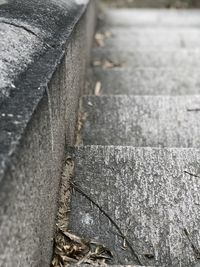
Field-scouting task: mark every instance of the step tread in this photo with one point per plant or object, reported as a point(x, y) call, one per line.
point(161, 38)
point(141, 58)
point(148, 192)
point(158, 121)
point(145, 81)
point(152, 17)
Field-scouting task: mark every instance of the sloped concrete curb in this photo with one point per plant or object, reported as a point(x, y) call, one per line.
point(44, 50)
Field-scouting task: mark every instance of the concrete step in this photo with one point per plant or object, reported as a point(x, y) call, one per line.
point(152, 3)
point(145, 81)
point(151, 58)
point(131, 38)
point(157, 121)
point(152, 17)
point(152, 195)
point(113, 265)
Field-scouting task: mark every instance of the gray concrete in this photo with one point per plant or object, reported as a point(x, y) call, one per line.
point(148, 193)
point(153, 38)
point(27, 30)
point(48, 43)
point(154, 17)
point(145, 81)
point(139, 156)
point(17, 49)
point(157, 121)
point(151, 58)
point(152, 3)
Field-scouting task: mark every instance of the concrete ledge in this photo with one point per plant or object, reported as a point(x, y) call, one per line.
point(44, 46)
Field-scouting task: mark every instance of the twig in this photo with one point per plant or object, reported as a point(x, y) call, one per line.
point(110, 219)
point(193, 109)
point(191, 174)
point(196, 251)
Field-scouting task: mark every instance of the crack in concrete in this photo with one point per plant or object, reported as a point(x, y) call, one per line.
point(27, 30)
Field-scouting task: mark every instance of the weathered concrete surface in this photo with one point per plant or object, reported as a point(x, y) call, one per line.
point(17, 49)
point(145, 81)
point(38, 110)
point(153, 17)
point(28, 29)
point(150, 196)
point(152, 3)
point(151, 58)
point(157, 121)
point(161, 38)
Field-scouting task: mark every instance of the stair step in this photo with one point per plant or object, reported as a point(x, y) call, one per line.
point(113, 265)
point(148, 58)
point(151, 194)
point(152, 17)
point(163, 38)
point(157, 121)
point(146, 81)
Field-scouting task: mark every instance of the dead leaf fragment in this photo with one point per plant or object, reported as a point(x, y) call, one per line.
point(100, 38)
point(70, 248)
point(97, 89)
point(109, 64)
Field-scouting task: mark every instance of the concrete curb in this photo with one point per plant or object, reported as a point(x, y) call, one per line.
point(42, 65)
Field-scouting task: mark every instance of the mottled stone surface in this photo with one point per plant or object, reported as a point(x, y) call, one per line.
point(28, 29)
point(145, 81)
point(17, 48)
point(161, 38)
point(152, 17)
point(151, 3)
point(148, 193)
point(149, 57)
point(44, 47)
point(142, 121)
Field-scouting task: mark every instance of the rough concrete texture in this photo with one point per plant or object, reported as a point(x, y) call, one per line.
point(145, 81)
point(150, 195)
point(154, 17)
point(152, 37)
point(27, 30)
point(157, 121)
point(37, 119)
point(113, 265)
point(17, 49)
point(152, 3)
point(149, 58)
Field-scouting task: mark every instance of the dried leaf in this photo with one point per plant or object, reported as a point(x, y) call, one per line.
point(73, 237)
point(100, 38)
point(109, 64)
point(97, 88)
point(96, 63)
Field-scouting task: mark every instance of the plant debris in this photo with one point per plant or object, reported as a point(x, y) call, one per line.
point(106, 64)
point(127, 242)
point(192, 174)
point(70, 248)
point(100, 38)
point(195, 250)
point(81, 120)
point(63, 203)
point(97, 89)
point(193, 109)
